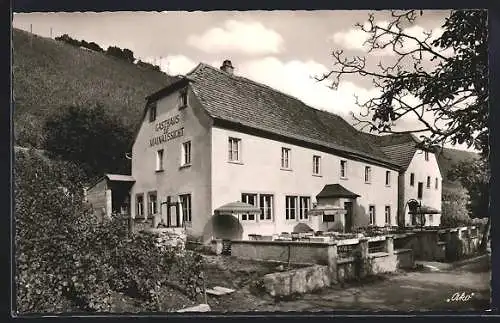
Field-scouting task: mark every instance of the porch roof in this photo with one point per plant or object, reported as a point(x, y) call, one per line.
point(119, 178)
point(336, 190)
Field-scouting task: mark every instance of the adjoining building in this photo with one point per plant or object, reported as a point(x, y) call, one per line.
point(213, 138)
point(419, 179)
point(109, 195)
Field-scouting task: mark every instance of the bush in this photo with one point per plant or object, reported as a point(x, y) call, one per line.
point(66, 259)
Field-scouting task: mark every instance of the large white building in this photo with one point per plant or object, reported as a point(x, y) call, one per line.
point(212, 138)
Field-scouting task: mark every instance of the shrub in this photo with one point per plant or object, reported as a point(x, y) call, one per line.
point(66, 259)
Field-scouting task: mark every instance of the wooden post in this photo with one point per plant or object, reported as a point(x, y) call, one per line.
point(168, 212)
point(109, 203)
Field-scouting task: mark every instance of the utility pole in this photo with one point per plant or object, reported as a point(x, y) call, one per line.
point(31, 35)
point(50, 32)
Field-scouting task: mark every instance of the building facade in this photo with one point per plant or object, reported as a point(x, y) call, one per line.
point(419, 179)
point(214, 138)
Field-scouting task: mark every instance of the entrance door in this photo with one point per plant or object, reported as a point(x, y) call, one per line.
point(348, 216)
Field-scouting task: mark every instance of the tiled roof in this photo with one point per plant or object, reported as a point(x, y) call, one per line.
point(240, 100)
point(398, 147)
point(336, 190)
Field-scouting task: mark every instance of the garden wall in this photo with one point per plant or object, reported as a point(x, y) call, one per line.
point(299, 252)
point(441, 245)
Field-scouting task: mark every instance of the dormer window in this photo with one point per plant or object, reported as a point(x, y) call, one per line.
point(152, 111)
point(183, 99)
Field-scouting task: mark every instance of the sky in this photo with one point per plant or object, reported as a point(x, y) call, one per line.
point(282, 49)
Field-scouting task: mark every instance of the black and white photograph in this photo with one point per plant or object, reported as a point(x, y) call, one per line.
point(178, 162)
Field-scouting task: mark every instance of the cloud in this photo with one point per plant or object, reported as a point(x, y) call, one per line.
point(295, 78)
point(248, 37)
point(355, 38)
point(174, 64)
point(351, 39)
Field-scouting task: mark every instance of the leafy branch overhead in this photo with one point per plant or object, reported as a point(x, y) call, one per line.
point(440, 80)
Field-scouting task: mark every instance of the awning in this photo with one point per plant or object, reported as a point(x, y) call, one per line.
point(424, 210)
point(336, 190)
point(237, 208)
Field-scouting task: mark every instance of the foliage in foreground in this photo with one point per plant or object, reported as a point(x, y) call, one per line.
point(454, 209)
point(440, 78)
point(68, 260)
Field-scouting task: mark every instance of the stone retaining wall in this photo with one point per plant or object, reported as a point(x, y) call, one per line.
point(298, 281)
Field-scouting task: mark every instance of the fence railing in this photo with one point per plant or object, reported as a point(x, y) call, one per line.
point(377, 246)
point(346, 251)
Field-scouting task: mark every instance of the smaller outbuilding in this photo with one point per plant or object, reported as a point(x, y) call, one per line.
point(110, 194)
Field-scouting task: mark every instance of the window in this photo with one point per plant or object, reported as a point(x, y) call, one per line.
point(412, 179)
point(426, 156)
point(186, 207)
point(234, 149)
point(266, 206)
point(152, 111)
point(387, 178)
point(285, 158)
point(420, 190)
point(431, 217)
point(428, 182)
point(291, 207)
point(305, 203)
point(250, 199)
point(183, 98)
point(316, 165)
point(186, 153)
point(343, 168)
point(153, 205)
point(159, 160)
point(388, 214)
point(139, 206)
point(436, 184)
point(371, 211)
point(368, 174)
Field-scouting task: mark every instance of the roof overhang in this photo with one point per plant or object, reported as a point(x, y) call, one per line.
point(117, 178)
point(176, 85)
point(336, 191)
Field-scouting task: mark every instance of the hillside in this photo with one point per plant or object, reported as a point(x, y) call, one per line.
point(447, 159)
point(49, 75)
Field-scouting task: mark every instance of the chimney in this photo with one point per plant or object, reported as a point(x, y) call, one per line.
point(227, 67)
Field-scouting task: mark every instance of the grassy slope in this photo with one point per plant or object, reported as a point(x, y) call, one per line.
point(49, 75)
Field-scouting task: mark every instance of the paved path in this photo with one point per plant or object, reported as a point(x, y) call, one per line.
point(410, 291)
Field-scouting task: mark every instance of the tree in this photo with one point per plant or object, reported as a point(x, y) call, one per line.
point(447, 75)
point(90, 136)
point(475, 177)
point(454, 208)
